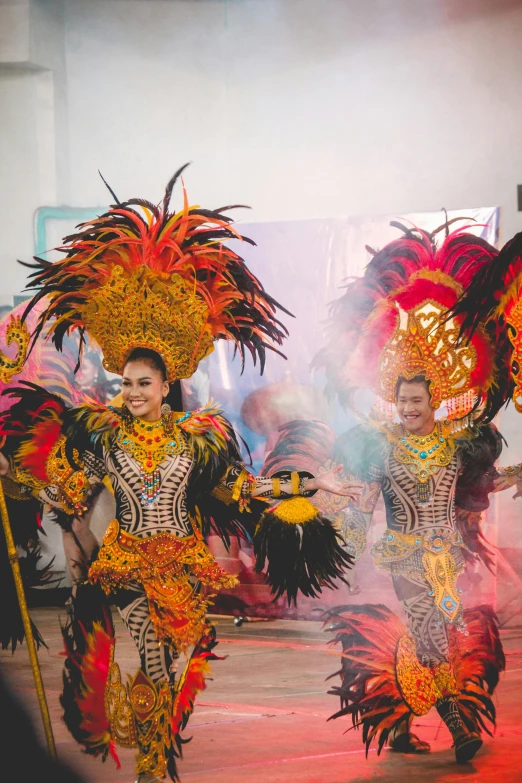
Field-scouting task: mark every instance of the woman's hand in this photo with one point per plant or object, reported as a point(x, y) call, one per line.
point(329, 482)
point(5, 469)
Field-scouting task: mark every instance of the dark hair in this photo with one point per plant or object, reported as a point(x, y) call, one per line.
point(416, 379)
point(150, 357)
point(154, 360)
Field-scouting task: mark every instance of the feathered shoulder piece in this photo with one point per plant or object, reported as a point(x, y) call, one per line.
point(31, 429)
point(210, 433)
point(393, 322)
point(89, 426)
point(45, 440)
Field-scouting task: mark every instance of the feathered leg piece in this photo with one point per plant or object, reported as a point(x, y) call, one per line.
point(89, 654)
point(383, 684)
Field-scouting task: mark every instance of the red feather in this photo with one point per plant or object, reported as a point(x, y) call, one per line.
point(33, 453)
point(192, 682)
point(405, 273)
point(87, 671)
point(369, 691)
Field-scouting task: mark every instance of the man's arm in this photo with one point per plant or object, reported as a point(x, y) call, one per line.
point(355, 519)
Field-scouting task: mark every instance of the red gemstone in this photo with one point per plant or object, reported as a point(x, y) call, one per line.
point(157, 438)
point(149, 441)
point(142, 437)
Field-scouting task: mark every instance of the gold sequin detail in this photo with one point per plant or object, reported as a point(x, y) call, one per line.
point(296, 511)
point(152, 707)
point(164, 564)
point(16, 332)
point(423, 456)
point(415, 681)
point(422, 686)
point(148, 443)
point(73, 485)
point(142, 310)
point(119, 710)
point(425, 342)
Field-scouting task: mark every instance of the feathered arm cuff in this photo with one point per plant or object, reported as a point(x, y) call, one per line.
point(239, 486)
point(302, 550)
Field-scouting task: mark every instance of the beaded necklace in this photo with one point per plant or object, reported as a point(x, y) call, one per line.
point(423, 456)
point(150, 443)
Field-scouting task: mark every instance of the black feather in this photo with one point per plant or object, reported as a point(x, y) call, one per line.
point(300, 558)
point(113, 194)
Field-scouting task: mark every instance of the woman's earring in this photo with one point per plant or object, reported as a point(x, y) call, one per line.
point(166, 417)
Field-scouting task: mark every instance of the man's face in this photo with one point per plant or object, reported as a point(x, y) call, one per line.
point(414, 409)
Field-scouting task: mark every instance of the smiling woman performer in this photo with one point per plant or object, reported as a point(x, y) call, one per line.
point(391, 334)
point(155, 289)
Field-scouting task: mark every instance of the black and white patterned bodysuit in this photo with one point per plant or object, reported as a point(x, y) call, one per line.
point(169, 513)
point(406, 516)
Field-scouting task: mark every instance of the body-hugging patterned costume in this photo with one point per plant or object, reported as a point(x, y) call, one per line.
point(393, 323)
point(140, 276)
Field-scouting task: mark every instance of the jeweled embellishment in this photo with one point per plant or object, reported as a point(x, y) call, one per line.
point(150, 443)
point(423, 456)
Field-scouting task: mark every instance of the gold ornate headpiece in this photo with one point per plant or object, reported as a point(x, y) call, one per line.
point(395, 322)
point(140, 276)
point(139, 310)
point(424, 343)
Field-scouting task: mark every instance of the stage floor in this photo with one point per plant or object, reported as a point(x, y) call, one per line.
point(264, 716)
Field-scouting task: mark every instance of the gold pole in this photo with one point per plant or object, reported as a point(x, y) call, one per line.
point(31, 646)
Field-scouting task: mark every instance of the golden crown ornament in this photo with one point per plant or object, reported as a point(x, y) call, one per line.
point(140, 310)
point(424, 343)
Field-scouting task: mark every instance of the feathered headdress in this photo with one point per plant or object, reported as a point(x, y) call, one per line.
point(141, 276)
point(393, 323)
point(494, 299)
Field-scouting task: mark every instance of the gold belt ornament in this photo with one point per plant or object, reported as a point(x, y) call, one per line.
point(438, 563)
point(165, 565)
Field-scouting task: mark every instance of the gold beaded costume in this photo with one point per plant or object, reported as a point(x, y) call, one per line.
point(393, 324)
point(140, 276)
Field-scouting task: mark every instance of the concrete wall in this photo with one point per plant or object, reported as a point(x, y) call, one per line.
point(301, 108)
point(297, 107)
point(34, 158)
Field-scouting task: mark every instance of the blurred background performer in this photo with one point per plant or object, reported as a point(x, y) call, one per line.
point(155, 289)
point(428, 448)
point(60, 545)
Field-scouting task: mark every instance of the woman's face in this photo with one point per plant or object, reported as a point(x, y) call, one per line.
point(86, 375)
point(143, 390)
